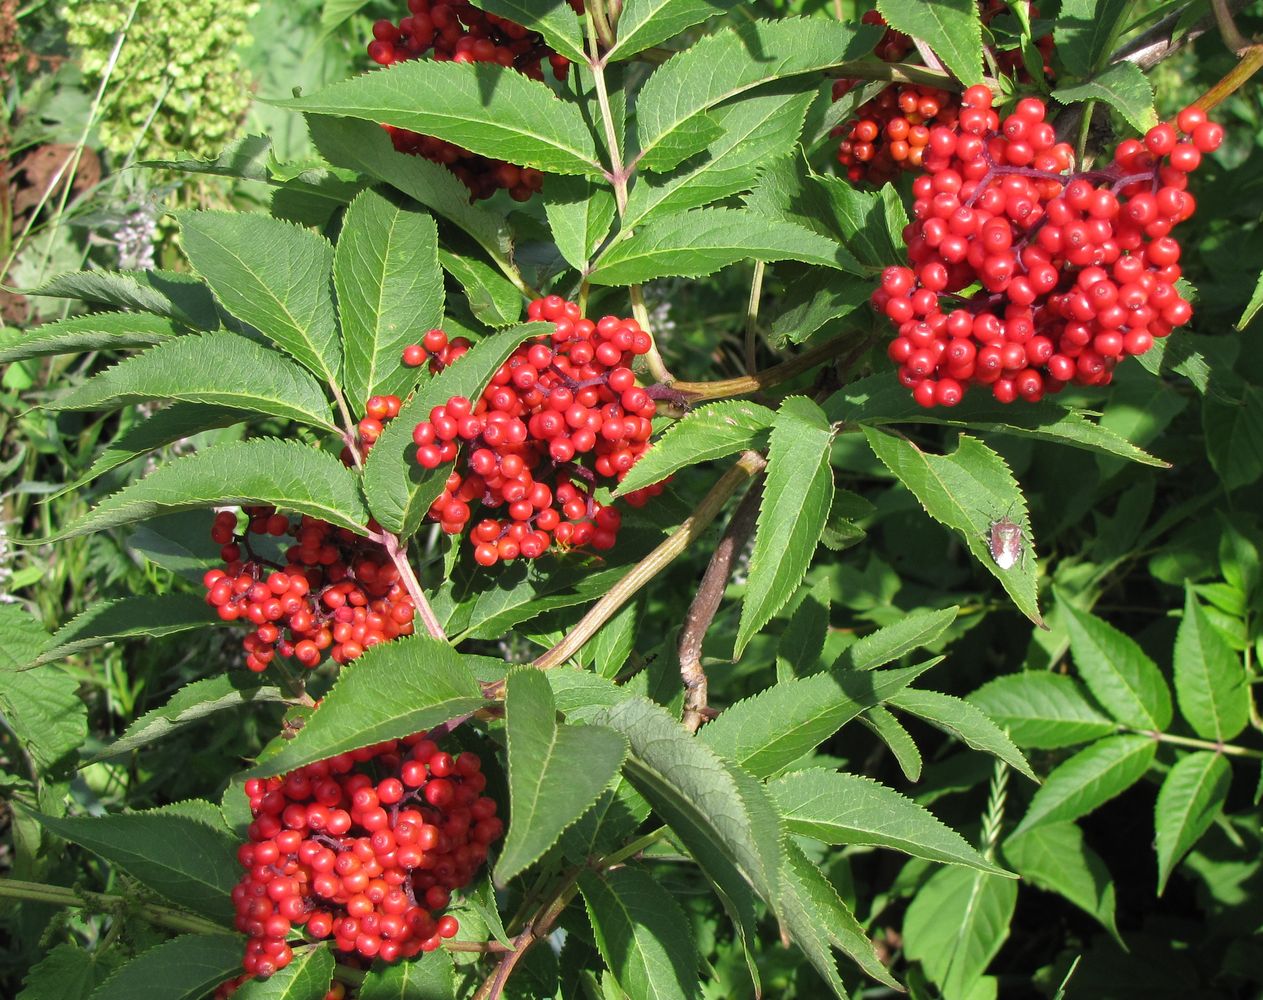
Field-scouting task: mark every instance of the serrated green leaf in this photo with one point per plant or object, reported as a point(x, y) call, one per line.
point(866, 220)
point(390, 293)
point(1124, 87)
point(1247, 315)
point(1191, 797)
point(956, 924)
point(704, 434)
point(221, 369)
point(150, 615)
point(645, 23)
point(100, 331)
point(967, 491)
point(642, 934)
point(188, 967)
point(893, 641)
point(285, 474)
point(41, 707)
point(427, 977)
point(797, 494)
point(809, 304)
point(1042, 710)
point(556, 771)
point(800, 645)
point(399, 490)
point(671, 110)
point(613, 644)
point(1089, 779)
point(307, 977)
point(772, 729)
point(65, 972)
point(1086, 30)
point(580, 212)
point(960, 719)
point(190, 704)
point(1233, 429)
point(180, 297)
point(836, 809)
point(481, 107)
point(897, 739)
point(755, 131)
point(950, 27)
point(248, 158)
point(492, 298)
point(711, 806)
point(1054, 857)
point(1209, 678)
point(1125, 682)
point(394, 690)
point(273, 275)
point(554, 19)
point(189, 862)
point(701, 242)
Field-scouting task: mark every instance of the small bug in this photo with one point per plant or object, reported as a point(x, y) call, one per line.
point(1004, 541)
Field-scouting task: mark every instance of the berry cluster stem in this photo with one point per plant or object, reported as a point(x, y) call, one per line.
point(159, 916)
point(399, 556)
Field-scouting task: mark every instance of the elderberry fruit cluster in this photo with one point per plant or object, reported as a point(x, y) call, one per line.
point(562, 414)
point(364, 849)
point(337, 592)
point(456, 30)
point(1074, 271)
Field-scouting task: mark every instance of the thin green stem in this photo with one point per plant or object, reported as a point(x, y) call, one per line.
point(1085, 128)
point(845, 346)
point(161, 916)
point(1227, 749)
point(752, 316)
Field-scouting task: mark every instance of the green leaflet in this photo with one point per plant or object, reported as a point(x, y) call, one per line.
point(185, 968)
point(1125, 682)
point(307, 977)
point(100, 331)
point(645, 23)
point(1042, 710)
point(1210, 682)
point(1191, 797)
point(950, 27)
point(1089, 779)
point(149, 615)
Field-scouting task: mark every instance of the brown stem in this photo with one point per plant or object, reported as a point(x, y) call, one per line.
point(1159, 42)
point(399, 556)
point(710, 594)
point(1232, 37)
point(744, 385)
point(1250, 63)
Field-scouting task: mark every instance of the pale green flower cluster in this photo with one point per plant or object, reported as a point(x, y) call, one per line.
point(179, 64)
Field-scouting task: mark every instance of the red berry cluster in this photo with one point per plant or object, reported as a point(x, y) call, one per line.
point(363, 848)
point(337, 591)
point(1077, 270)
point(561, 413)
point(436, 349)
point(456, 30)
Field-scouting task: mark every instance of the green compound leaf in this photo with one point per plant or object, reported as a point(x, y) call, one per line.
point(148, 616)
point(836, 808)
point(394, 690)
point(98, 332)
point(1191, 797)
point(704, 434)
point(1054, 857)
point(481, 107)
point(188, 967)
point(1209, 677)
point(671, 110)
point(556, 771)
point(966, 491)
point(273, 275)
point(645, 23)
point(284, 474)
point(701, 242)
point(179, 297)
point(390, 293)
point(580, 212)
point(642, 934)
point(969, 725)
point(307, 977)
point(1089, 779)
point(956, 924)
point(191, 704)
point(427, 977)
point(399, 490)
point(554, 19)
point(220, 369)
point(1042, 710)
point(769, 731)
point(187, 861)
point(894, 641)
point(950, 27)
point(1125, 682)
point(797, 495)
point(1124, 87)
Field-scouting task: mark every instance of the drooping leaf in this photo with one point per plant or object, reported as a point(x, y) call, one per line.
point(802, 642)
point(837, 808)
point(1124, 87)
point(99, 331)
point(427, 977)
point(893, 641)
point(580, 212)
point(307, 977)
point(642, 934)
point(247, 158)
point(1252, 307)
point(1054, 857)
point(285, 474)
point(1192, 795)
point(148, 616)
point(1089, 779)
point(645, 23)
point(960, 719)
point(1042, 710)
point(1209, 678)
point(1086, 30)
point(772, 729)
point(399, 490)
point(1116, 670)
point(897, 739)
point(221, 369)
point(556, 771)
point(180, 297)
point(492, 298)
point(967, 491)
point(704, 434)
point(797, 495)
point(190, 704)
point(41, 707)
point(184, 968)
point(390, 293)
point(554, 19)
point(482, 107)
point(394, 690)
point(1233, 430)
